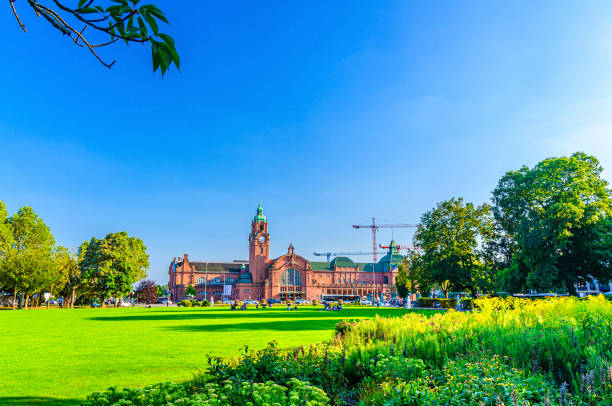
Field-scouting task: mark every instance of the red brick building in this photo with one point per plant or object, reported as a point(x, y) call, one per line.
point(289, 276)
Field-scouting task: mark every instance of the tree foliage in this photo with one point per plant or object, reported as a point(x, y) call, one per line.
point(451, 237)
point(401, 280)
point(113, 20)
point(111, 265)
point(68, 262)
point(559, 215)
point(146, 291)
point(190, 291)
point(28, 255)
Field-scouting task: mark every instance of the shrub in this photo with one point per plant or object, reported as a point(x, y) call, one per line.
point(294, 393)
point(444, 303)
point(185, 303)
point(465, 382)
point(396, 367)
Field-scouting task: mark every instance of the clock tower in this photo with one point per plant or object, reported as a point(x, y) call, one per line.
point(259, 246)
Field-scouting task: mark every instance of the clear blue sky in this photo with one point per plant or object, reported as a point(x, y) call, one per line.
point(328, 113)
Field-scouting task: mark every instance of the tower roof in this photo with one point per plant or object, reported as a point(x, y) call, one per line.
point(260, 216)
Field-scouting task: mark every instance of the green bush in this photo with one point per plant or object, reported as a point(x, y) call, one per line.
point(185, 303)
point(467, 302)
point(396, 367)
point(294, 393)
point(444, 303)
point(465, 382)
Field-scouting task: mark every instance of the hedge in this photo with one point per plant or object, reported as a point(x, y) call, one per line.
point(444, 303)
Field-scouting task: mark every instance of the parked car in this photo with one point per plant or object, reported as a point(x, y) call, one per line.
point(273, 301)
point(249, 301)
point(366, 302)
point(301, 301)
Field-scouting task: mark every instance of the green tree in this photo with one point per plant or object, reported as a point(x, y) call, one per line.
point(559, 215)
point(162, 290)
point(419, 279)
point(401, 280)
point(108, 23)
point(452, 237)
point(190, 291)
point(27, 253)
point(111, 265)
point(6, 242)
point(67, 275)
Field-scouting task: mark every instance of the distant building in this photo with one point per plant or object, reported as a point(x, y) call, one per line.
point(287, 277)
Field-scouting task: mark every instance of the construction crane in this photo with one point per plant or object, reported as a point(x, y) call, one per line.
point(335, 254)
point(375, 227)
point(399, 247)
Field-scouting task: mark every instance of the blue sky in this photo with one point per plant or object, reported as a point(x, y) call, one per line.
point(327, 113)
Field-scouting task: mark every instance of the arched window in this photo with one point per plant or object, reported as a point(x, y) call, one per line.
point(290, 277)
point(201, 281)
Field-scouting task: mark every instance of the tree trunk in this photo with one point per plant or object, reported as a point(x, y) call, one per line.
point(27, 299)
point(14, 298)
point(72, 298)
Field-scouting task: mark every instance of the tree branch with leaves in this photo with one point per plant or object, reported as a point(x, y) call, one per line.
point(108, 22)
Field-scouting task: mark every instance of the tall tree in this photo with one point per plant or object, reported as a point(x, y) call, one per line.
point(559, 215)
point(418, 276)
point(401, 281)
point(63, 272)
point(6, 242)
point(111, 265)
point(28, 255)
point(452, 236)
point(108, 22)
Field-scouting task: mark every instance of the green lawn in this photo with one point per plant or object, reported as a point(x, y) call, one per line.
point(56, 357)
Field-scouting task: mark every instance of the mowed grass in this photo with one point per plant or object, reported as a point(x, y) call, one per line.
point(57, 357)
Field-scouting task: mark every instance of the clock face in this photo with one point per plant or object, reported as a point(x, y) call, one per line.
point(262, 238)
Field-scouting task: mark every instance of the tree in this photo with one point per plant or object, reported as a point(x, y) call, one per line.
point(56, 275)
point(117, 20)
point(190, 291)
point(559, 215)
point(111, 265)
point(27, 253)
point(401, 280)
point(418, 277)
point(162, 290)
point(450, 236)
point(6, 239)
point(146, 291)
point(68, 263)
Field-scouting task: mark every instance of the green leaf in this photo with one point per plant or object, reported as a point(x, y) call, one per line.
point(143, 27)
point(167, 39)
point(152, 24)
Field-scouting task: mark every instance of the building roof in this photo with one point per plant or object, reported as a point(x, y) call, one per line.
point(260, 216)
point(215, 267)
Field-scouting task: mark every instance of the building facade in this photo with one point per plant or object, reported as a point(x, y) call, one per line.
point(289, 276)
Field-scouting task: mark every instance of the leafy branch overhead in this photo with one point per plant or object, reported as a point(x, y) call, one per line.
point(117, 20)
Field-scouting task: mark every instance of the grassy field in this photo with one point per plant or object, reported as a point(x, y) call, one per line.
point(56, 357)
